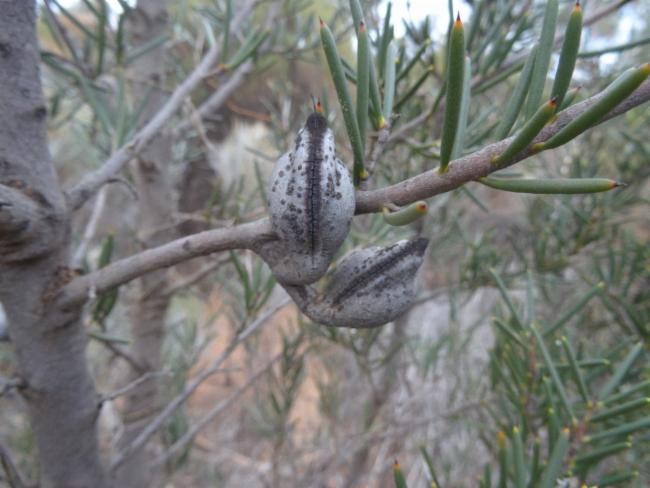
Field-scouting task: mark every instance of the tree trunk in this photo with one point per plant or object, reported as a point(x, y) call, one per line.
point(34, 248)
point(148, 308)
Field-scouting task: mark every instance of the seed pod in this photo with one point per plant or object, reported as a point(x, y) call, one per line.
point(371, 286)
point(311, 203)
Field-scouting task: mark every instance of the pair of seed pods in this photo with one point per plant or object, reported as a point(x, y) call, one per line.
point(311, 204)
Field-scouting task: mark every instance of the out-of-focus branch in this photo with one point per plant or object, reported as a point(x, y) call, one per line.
point(213, 413)
point(14, 478)
point(242, 236)
point(195, 277)
point(133, 384)
point(91, 228)
point(215, 101)
point(193, 384)
point(94, 180)
point(25, 217)
point(479, 164)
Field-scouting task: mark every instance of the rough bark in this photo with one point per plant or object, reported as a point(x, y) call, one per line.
point(148, 307)
point(34, 227)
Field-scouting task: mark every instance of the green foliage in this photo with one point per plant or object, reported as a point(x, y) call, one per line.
point(565, 392)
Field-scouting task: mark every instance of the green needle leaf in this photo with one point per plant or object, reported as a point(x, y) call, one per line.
point(614, 94)
point(405, 215)
point(527, 133)
point(566, 316)
point(518, 454)
point(543, 58)
point(459, 143)
point(338, 76)
point(554, 466)
point(517, 98)
point(568, 55)
point(622, 430)
point(400, 481)
point(363, 83)
point(575, 369)
point(623, 408)
point(554, 186)
point(389, 81)
point(455, 72)
point(601, 452)
point(555, 377)
point(620, 373)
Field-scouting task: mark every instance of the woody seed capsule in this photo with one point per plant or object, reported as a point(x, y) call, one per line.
point(311, 203)
point(372, 286)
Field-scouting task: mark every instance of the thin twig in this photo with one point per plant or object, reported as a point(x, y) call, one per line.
point(132, 385)
point(215, 101)
point(91, 228)
point(192, 385)
point(193, 278)
point(216, 410)
point(119, 352)
point(94, 180)
point(14, 478)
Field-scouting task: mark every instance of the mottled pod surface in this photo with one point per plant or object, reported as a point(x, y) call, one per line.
point(372, 286)
point(311, 203)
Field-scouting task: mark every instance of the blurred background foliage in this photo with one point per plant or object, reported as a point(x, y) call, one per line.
point(534, 311)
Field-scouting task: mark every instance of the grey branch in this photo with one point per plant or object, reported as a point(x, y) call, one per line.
point(94, 180)
point(215, 101)
point(479, 164)
point(133, 384)
point(213, 413)
point(237, 237)
point(249, 235)
point(193, 384)
point(24, 218)
point(14, 478)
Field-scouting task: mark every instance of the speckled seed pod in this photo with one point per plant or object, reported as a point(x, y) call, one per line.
point(311, 203)
point(372, 286)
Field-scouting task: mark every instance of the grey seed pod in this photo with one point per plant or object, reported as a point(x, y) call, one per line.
point(371, 286)
point(311, 203)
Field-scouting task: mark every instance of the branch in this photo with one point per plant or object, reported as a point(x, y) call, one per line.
point(479, 164)
point(25, 218)
point(190, 387)
point(242, 236)
point(214, 412)
point(14, 478)
point(195, 277)
point(215, 101)
point(133, 384)
point(92, 181)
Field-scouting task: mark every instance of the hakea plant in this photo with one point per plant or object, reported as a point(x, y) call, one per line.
point(311, 204)
point(312, 200)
